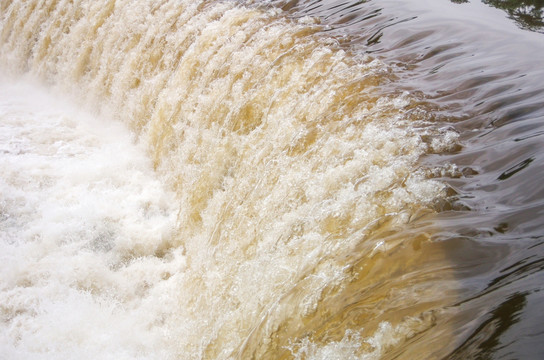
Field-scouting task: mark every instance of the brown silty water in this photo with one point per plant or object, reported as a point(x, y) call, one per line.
point(318, 186)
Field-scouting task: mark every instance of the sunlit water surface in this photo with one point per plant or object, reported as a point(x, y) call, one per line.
point(281, 179)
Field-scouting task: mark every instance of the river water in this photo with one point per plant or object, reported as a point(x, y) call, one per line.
point(271, 179)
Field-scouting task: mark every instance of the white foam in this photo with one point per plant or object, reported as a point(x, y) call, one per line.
point(282, 155)
point(355, 346)
point(81, 217)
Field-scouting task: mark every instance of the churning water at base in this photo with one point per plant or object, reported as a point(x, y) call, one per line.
point(73, 188)
point(242, 181)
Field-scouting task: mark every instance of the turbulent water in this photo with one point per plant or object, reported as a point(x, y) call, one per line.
point(282, 179)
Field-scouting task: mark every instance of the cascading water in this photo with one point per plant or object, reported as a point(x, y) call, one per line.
point(237, 184)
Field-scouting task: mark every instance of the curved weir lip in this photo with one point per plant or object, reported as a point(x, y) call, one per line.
point(293, 214)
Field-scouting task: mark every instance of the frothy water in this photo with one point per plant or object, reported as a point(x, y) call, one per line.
point(81, 211)
point(215, 180)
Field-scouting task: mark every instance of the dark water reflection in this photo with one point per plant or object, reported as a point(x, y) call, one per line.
point(481, 72)
point(528, 14)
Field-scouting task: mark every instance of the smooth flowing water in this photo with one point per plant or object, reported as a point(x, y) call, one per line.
point(279, 179)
